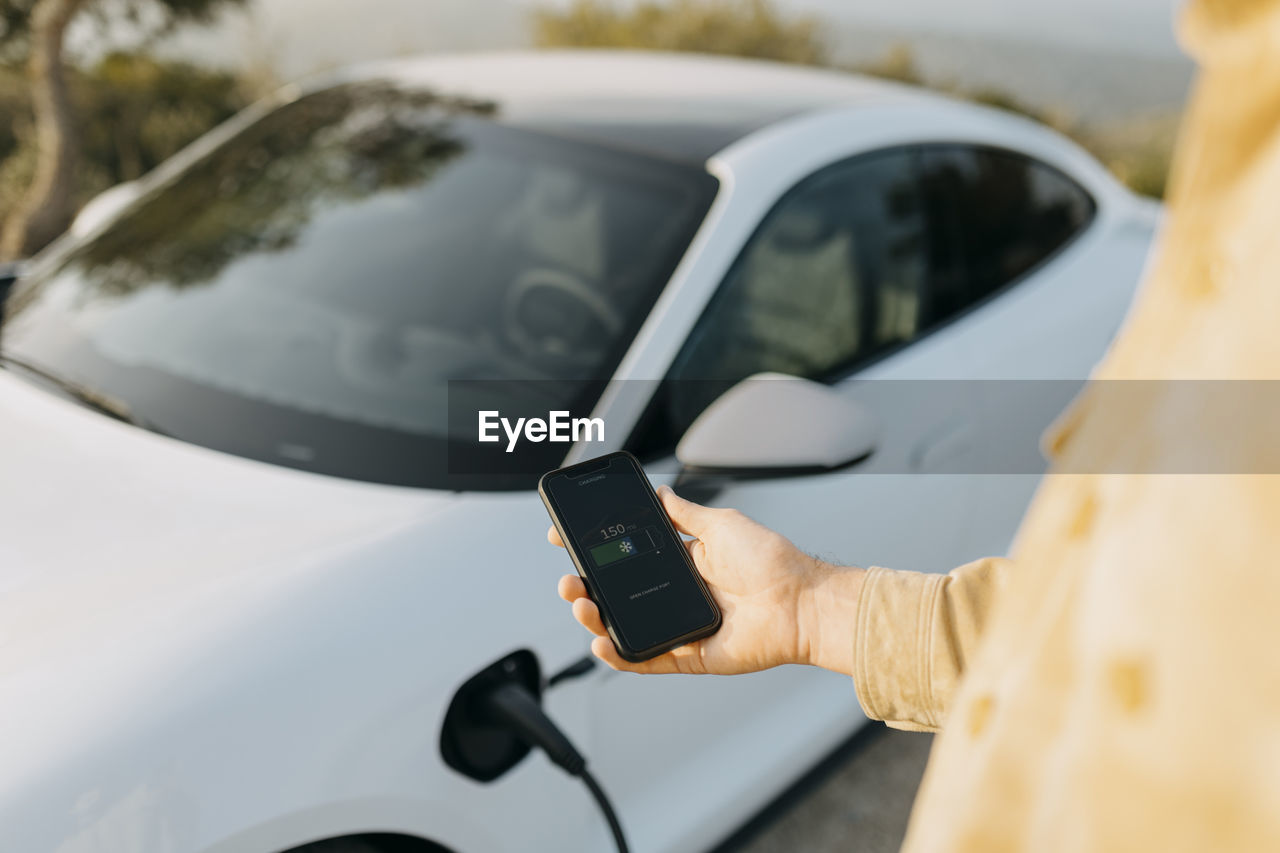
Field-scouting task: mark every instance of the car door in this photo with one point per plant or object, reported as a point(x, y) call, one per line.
point(849, 269)
point(1037, 274)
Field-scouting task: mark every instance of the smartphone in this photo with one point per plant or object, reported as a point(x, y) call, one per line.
point(634, 564)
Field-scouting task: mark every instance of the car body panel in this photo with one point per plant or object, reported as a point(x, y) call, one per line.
point(206, 653)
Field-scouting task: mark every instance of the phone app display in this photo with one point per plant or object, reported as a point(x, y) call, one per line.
point(636, 563)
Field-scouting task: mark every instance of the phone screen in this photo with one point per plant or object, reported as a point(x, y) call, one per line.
point(625, 543)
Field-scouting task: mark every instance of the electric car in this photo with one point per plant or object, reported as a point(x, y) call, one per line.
point(238, 588)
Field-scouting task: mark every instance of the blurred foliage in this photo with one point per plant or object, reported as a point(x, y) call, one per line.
point(15, 18)
point(146, 19)
point(134, 112)
point(1137, 151)
point(898, 63)
point(751, 28)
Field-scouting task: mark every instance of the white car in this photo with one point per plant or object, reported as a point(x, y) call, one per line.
point(233, 614)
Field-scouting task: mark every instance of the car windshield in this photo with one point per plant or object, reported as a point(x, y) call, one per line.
point(303, 293)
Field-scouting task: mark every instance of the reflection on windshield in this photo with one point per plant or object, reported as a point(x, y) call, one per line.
point(259, 195)
point(304, 293)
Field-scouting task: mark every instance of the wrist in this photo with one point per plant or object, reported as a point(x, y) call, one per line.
point(826, 616)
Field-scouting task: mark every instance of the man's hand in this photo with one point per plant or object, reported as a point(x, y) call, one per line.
point(779, 604)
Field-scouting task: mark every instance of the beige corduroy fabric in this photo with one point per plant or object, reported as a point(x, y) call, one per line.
point(1117, 685)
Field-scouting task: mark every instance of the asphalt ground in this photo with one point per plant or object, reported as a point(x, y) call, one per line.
point(859, 800)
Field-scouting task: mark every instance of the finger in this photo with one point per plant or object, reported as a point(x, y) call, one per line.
point(603, 648)
point(588, 616)
point(697, 550)
point(553, 536)
point(571, 588)
point(688, 517)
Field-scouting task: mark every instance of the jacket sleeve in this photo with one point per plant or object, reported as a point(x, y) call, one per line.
point(915, 635)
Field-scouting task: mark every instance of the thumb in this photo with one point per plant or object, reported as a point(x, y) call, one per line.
point(688, 517)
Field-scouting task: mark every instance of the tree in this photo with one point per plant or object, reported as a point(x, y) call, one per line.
point(133, 112)
point(752, 28)
point(35, 31)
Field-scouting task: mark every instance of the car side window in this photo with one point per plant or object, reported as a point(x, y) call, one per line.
point(860, 258)
point(832, 274)
point(993, 216)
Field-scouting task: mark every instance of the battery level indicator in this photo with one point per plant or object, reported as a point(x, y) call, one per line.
point(623, 547)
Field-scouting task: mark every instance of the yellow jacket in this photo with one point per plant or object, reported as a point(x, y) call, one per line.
point(1117, 685)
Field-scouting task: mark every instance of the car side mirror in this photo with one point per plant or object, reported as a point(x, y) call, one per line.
point(774, 425)
point(103, 206)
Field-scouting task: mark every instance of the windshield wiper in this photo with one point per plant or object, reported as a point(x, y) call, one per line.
point(104, 403)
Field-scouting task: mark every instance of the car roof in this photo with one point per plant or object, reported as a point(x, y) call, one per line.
point(677, 105)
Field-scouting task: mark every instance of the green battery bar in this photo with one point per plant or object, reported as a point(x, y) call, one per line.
point(622, 547)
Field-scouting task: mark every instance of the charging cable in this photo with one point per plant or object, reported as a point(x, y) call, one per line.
point(513, 705)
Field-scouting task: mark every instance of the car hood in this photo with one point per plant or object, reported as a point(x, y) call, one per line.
point(114, 540)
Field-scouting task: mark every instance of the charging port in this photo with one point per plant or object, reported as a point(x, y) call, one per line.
point(472, 741)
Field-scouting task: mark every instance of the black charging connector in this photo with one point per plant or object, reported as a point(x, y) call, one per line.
point(515, 706)
point(496, 717)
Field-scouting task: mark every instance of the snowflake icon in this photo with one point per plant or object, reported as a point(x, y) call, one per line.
point(625, 546)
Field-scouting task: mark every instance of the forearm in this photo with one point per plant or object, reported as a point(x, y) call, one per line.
point(825, 617)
